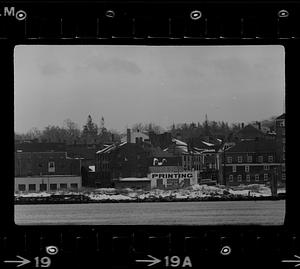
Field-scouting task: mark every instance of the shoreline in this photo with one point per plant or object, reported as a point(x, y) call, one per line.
point(82, 199)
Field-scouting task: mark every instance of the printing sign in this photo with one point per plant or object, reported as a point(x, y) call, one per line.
point(173, 179)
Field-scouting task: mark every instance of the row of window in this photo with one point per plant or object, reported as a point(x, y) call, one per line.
point(260, 159)
point(44, 187)
point(247, 168)
point(248, 178)
point(189, 158)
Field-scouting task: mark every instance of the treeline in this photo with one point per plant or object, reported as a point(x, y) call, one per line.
point(70, 133)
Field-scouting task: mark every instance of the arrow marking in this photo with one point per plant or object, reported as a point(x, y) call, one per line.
point(292, 261)
point(21, 262)
point(151, 262)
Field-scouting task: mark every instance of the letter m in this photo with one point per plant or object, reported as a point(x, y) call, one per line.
point(9, 11)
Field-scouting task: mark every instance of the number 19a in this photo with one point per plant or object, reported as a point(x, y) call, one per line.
point(175, 261)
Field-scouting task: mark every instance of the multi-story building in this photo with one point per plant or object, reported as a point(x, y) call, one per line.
point(189, 157)
point(45, 163)
point(122, 160)
point(46, 171)
point(249, 162)
point(84, 154)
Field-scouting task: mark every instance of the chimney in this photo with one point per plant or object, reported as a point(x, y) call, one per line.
point(258, 125)
point(128, 136)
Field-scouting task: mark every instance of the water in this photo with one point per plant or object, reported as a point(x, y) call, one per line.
point(166, 213)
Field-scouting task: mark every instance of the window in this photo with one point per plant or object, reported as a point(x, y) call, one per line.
point(63, 186)
point(53, 187)
point(231, 178)
point(21, 187)
point(248, 178)
point(266, 177)
point(43, 187)
point(260, 159)
point(51, 167)
point(240, 159)
point(234, 168)
point(270, 159)
point(257, 177)
point(229, 159)
point(74, 186)
point(247, 168)
point(266, 167)
point(239, 178)
point(283, 177)
point(31, 187)
point(283, 168)
point(249, 159)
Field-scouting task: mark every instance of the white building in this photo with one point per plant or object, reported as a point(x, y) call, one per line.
point(135, 137)
point(47, 183)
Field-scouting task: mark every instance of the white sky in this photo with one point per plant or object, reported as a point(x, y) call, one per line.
point(130, 84)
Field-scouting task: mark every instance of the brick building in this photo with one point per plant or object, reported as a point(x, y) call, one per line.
point(122, 160)
point(249, 162)
point(45, 167)
point(45, 163)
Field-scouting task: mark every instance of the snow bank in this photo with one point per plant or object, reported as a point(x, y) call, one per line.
point(190, 193)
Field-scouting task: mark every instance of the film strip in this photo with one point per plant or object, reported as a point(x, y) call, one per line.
point(173, 21)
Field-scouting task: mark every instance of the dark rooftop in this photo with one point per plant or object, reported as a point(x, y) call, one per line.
point(260, 145)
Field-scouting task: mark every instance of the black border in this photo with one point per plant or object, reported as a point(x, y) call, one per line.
point(292, 59)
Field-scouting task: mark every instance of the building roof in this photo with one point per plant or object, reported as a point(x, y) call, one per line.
point(40, 147)
point(180, 147)
point(281, 117)
point(80, 151)
point(260, 145)
point(158, 152)
point(249, 132)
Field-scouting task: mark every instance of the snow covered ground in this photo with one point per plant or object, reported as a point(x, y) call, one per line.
point(191, 193)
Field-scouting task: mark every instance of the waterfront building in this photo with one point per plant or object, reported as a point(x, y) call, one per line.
point(249, 162)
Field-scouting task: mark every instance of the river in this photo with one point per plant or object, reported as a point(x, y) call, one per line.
point(155, 213)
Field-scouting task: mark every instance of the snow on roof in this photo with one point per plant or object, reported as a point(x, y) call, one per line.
point(110, 148)
point(207, 144)
point(208, 150)
point(178, 142)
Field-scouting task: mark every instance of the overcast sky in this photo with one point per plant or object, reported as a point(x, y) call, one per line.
point(130, 84)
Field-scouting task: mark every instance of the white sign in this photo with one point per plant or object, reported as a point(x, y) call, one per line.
point(173, 179)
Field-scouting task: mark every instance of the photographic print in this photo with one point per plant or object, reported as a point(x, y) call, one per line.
point(149, 135)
